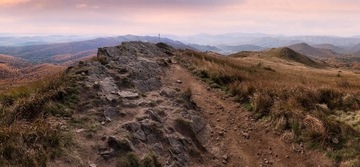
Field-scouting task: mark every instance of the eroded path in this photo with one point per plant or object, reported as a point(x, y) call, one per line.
point(235, 138)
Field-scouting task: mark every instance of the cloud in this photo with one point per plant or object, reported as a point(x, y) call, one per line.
point(183, 16)
point(9, 3)
point(82, 5)
point(85, 6)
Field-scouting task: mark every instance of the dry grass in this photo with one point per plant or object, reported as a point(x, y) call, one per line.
point(295, 97)
point(27, 136)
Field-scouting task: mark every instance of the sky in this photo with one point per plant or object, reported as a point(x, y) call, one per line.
point(180, 17)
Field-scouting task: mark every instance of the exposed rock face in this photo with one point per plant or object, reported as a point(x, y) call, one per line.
point(123, 90)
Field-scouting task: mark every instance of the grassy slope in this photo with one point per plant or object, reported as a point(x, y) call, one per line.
point(29, 134)
point(315, 105)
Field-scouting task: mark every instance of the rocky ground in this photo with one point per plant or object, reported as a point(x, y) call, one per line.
point(137, 102)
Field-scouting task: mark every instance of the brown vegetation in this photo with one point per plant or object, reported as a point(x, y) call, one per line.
point(28, 134)
point(308, 102)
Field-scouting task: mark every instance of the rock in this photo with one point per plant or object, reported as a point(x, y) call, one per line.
point(108, 119)
point(64, 127)
point(92, 165)
point(322, 107)
point(245, 135)
point(335, 140)
point(168, 92)
point(217, 120)
point(79, 130)
point(178, 81)
point(119, 145)
point(225, 157)
point(153, 115)
point(198, 124)
point(128, 94)
point(136, 130)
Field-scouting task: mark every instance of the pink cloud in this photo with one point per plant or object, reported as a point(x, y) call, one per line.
point(9, 3)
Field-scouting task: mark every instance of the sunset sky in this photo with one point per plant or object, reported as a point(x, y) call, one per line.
point(181, 17)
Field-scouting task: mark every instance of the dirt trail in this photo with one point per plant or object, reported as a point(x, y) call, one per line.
point(236, 139)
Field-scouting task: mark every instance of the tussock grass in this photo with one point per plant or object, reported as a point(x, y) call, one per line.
point(27, 135)
point(297, 99)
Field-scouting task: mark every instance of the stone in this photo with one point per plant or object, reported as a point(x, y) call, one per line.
point(119, 145)
point(246, 135)
point(335, 140)
point(136, 130)
point(178, 81)
point(92, 165)
point(153, 115)
point(168, 92)
point(64, 127)
point(225, 157)
point(108, 119)
point(79, 130)
point(128, 94)
point(198, 124)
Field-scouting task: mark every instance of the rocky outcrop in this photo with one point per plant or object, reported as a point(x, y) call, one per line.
point(122, 89)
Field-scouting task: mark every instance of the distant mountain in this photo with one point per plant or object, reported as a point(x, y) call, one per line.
point(8, 40)
point(204, 48)
point(336, 49)
point(354, 49)
point(337, 41)
point(238, 48)
point(271, 42)
point(53, 53)
point(219, 39)
point(313, 52)
point(291, 55)
point(265, 40)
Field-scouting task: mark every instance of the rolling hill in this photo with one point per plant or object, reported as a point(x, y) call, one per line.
point(313, 52)
point(336, 49)
point(13, 61)
point(354, 49)
point(290, 55)
point(238, 48)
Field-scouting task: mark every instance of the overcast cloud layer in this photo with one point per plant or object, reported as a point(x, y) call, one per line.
point(181, 17)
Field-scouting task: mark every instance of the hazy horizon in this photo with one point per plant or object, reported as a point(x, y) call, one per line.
point(180, 17)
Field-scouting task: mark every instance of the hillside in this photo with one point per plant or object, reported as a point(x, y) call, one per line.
point(354, 49)
point(15, 70)
point(312, 52)
point(13, 61)
point(278, 56)
point(238, 48)
point(291, 55)
point(10, 67)
point(332, 47)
